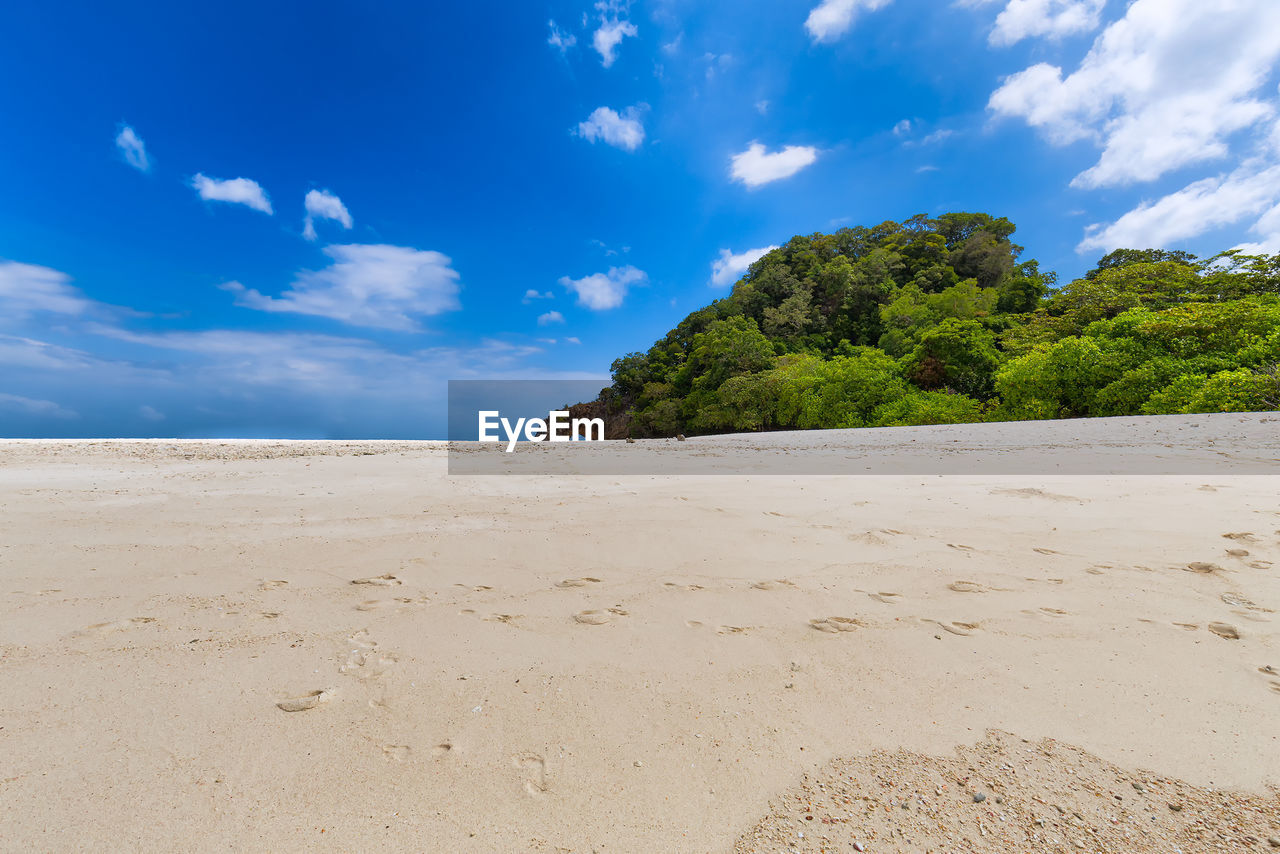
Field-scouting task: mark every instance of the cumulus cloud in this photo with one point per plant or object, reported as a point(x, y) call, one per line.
point(902, 128)
point(601, 291)
point(614, 27)
point(321, 204)
point(559, 39)
point(621, 131)
point(728, 268)
point(1022, 19)
point(28, 288)
point(831, 19)
point(381, 286)
point(240, 191)
point(757, 166)
point(1197, 208)
point(530, 295)
point(549, 318)
point(1162, 88)
point(133, 149)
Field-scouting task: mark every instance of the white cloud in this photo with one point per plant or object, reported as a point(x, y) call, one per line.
point(762, 107)
point(133, 149)
point(241, 191)
point(902, 128)
point(1022, 19)
point(1163, 87)
point(32, 406)
point(614, 27)
point(1195, 209)
point(367, 285)
point(549, 318)
point(321, 204)
point(831, 19)
point(621, 131)
point(572, 340)
point(29, 288)
point(728, 268)
point(601, 291)
point(530, 295)
point(757, 166)
point(559, 39)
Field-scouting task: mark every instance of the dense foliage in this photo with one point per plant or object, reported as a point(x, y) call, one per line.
point(937, 320)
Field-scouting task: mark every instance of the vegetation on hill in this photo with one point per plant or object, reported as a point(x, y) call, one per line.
point(939, 320)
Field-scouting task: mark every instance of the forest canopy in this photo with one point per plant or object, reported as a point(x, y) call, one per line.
point(940, 320)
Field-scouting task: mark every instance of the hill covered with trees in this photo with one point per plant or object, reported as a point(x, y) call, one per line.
point(939, 320)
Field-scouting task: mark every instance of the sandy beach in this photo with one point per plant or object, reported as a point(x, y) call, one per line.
point(336, 646)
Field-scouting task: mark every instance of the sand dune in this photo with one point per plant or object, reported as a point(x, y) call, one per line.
point(336, 646)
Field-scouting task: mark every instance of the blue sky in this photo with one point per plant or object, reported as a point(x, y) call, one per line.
point(263, 220)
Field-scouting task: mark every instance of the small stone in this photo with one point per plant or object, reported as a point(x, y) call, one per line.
point(638, 764)
point(905, 805)
point(1138, 787)
point(857, 846)
point(1273, 841)
point(1176, 807)
point(979, 797)
point(999, 800)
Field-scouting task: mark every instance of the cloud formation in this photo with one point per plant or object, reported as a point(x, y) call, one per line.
point(1022, 19)
point(757, 166)
point(1195, 209)
point(728, 268)
point(614, 27)
point(549, 318)
point(1162, 88)
point(831, 19)
point(133, 149)
point(559, 39)
point(29, 288)
point(619, 130)
point(240, 191)
point(321, 204)
point(387, 287)
point(601, 291)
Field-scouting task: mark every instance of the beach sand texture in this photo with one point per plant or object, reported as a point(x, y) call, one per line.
point(334, 646)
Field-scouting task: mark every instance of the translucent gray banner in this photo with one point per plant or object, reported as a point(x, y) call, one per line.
point(1202, 445)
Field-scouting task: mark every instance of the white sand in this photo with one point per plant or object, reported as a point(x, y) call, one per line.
point(161, 598)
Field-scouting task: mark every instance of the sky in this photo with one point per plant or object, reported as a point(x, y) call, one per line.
point(300, 220)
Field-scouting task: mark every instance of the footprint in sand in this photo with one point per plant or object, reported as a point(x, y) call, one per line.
point(535, 768)
point(592, 618)
point(1044, 551)
point(1053, 612)
point(305, 702)
point(115, 626)
point(509, 619)
point(365, 661)
point(832, 625)
point(886, 597)
point(1225, 630)
point(1032, 492)
point(442, 750)
point(272, 584)
point(966, 587)
point(375, 604)
point(961, 546)
point(776, 584)
point(397, 752)
point(577, 582)
point(955, 627)
point(1241, 536)
point(1239, 600)
point(1203, 568)
point(1237, 553)
point(1191, 627)
point(387, 580)
point(269, 615)
point(732, 630)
